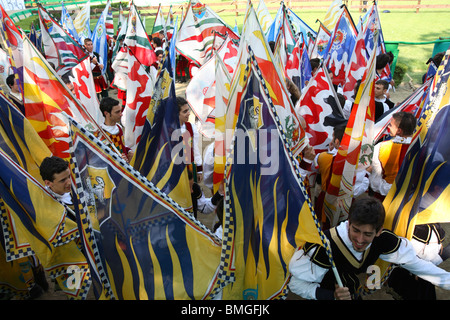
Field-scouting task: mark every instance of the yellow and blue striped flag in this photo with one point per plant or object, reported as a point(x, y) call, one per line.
point(141, 244)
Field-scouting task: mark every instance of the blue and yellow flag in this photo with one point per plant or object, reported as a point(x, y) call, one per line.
point(267, 210)
point(159, 153)
point(33, 221)
point(141, 244)
point(421, 192)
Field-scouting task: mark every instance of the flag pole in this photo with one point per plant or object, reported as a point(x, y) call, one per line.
point(323, 238)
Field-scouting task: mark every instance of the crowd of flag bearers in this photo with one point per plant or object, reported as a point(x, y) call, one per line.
point(313, 175)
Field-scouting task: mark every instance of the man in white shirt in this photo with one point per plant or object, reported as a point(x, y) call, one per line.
point(356, 244)
point(55, 172)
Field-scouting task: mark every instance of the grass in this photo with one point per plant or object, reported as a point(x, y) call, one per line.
point(399, 25)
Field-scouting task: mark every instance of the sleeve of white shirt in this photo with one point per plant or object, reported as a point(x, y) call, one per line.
point(208, 166)
point(377, 183)
point(306, 275)
point(197, 154)
point(407, 258)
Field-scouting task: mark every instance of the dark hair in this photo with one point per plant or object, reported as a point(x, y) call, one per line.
point(382, 60)
point(181, 102)
point(10, 80)
point(406, 121)
point(51, 166)
point(87, 40)
point(272, 46)
point(315, 63)
point(384, 83)
point(157, 41)
point(339, 131)
point(437, 59)
point(107, 104)
point(341, 98)
point(367, 210)
point(158, 52)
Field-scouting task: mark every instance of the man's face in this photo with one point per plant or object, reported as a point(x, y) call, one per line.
point(393, 127)
point(362, 236)
point(116, 114)
point(184, 114)
point(89, 46)
point(61, 183)
point(379, 90)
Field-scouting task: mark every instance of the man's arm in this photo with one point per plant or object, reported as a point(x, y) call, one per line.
point(407, 258)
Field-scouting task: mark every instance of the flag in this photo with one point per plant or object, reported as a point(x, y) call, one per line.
point(420, 192)
point(274, 29)
point(267, 211)
point(35, 37)
point(357, 66)
point(83, 82)
point(200, 92)
point(320, 107)
point(140, 86)
point(12, 41)
point(33, 222)
point(147, 247)
point(5, 67)
point(159, 24)
point(421, 189)
point(172, 49)
point(120, 67)
point(196, 33)
point(59, 47)
point(99, 40)
point(223, 81)
point(300, 26)
point(46, 97)
point(82, 22)
point(264, 17)
point(298, 65)
point(159, 153)
point(109, 20)
point(354, 151)
point(67, 23)
point(340, 47)
point(252, 35)
point(318, 50)
point(170, 24)
point(332, 15)
point(137, 39)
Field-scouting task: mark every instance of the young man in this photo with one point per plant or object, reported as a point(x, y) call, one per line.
point(191, 139)
point(97, 66)
point(382, 104)
point(112, 111)
point(388, 155)
point(323, 164)
point(14, 93)
point(56, 175)
point(356, 244)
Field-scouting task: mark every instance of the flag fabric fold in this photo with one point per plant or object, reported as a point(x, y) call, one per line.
point(146, 247)
point(267, 211)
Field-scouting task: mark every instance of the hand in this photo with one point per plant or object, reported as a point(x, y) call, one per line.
point(369, 169)
point(130, 155)
point(94, 60)
point(309, 153)
point(199, 177)
point(342, 293)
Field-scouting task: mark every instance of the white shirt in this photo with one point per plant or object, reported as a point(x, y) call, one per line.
point(195, 143)
point(306, 275)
